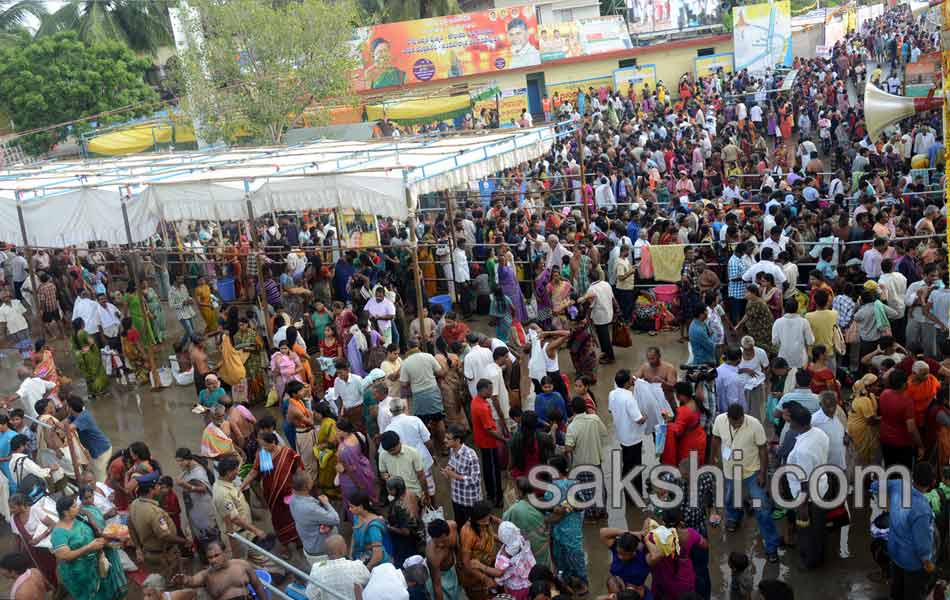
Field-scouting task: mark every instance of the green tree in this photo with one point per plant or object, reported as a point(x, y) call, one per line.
point(13, 17)
point(59, 79)
point(141, 25)
point(387, 11)
point(252, 68)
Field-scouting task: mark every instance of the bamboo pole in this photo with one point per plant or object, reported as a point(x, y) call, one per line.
point(150, 350)
point(259, 284)
point(27, 250)
point(416, 269)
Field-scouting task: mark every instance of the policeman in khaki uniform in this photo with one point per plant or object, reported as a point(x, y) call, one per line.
point(232, 509)
point(154, 533)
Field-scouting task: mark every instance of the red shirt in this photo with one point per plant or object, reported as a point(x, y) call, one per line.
point(895, 409)
point(482, 423)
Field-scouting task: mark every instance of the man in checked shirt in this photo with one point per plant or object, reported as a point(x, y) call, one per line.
point(48, 300)
point(464, 471)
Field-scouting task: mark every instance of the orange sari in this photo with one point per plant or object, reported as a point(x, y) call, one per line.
point(307, 374)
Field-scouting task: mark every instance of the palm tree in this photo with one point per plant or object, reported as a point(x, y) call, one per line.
point(142, 26)
point(14, 16)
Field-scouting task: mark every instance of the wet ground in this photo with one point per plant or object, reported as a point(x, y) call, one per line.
point(164, 421)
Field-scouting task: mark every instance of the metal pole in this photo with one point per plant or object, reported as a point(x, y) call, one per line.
point(416, 269)
point(26, 248)
point(153, 370)
point(580, 159)
point(259, 284)
point(450, 218)
point(287, 566)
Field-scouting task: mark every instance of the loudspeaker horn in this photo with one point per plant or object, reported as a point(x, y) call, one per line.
point(882, 109)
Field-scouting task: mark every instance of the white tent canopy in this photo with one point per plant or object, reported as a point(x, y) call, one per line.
point(67, 203)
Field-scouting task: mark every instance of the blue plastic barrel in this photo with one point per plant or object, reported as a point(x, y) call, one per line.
point(444, 301)
point(264, 576)
point(226, 289)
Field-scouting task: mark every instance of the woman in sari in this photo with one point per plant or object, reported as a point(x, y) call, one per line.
point(581, 344)
point(136, 359)
point(207, 310)
point(331, 350)
point(864, 421)
point(502, 311)
point(560, 294)
point(770, 294)
point(325, 450)
point(276, 465)
point(89, 360)
point(454, 390)
point(427, 262)
point(139, 312)
point(247, 340)
point(823, 379)
point(567, 533)
point(77, 549)
point(543, 296)
point(44, 366)
point(293, 340)
point(284, 366)
point(34, 533)
point(478, 545)
point(684, 433)
point(370, 533)
point(757, 319)
point(356, 475)
point(154, 304)
point(508, 282)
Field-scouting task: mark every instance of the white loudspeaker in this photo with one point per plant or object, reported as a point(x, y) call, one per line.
point(882, 109)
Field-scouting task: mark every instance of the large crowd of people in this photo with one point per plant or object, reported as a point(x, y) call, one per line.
point(394, 447)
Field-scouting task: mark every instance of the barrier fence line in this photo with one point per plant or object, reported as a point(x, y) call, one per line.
point(287, 566)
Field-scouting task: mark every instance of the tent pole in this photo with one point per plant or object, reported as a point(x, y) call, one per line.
point(580, 155)
point(450, 222)
point(149, 350)
point(28, 251)
point(258, 285)
point(416, 269)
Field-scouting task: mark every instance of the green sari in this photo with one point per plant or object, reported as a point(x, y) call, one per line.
point(138, 319)
point(90, 363)
point(81, 576)
point(158, 315)
point(531, 523)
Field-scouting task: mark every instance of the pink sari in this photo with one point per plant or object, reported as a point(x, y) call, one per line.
point(45, 368)
point(284, 368)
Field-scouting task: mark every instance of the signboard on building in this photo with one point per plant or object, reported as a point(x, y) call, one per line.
point(709, 65)
point(509, 102)
point(408, 52)
point(635, 77)
point(762, 36)
point(648, 16)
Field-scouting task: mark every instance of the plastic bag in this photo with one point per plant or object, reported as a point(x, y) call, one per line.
point(271, 398)
point(429, 515)
point(660, 436)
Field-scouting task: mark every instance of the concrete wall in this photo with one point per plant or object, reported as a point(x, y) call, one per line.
point(805, 40)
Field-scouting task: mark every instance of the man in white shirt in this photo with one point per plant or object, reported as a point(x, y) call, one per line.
point(476, 361)
point(792, 335)
point(604, 195)
point(776, 241)
point(30, 391)
point(110, 319)
point(412, 432)
point(603, 303)
point(891, 287)
point(85, 308)
point(338, 573)
point(629, 424)
point(461, 276)
point(556, 252)
point(349, 390)
point(765, 265)
point(384, 415)
point(809, 452)
point(921, 332)
point(500, 404)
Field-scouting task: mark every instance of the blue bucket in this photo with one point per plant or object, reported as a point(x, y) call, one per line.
point(264, 576)
point(444, 301)
point(226, 289)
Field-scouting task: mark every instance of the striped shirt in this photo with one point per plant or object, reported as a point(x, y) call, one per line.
point(736, 268)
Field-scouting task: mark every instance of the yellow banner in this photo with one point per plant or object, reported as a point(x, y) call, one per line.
point(510, 104)
point(636, 77)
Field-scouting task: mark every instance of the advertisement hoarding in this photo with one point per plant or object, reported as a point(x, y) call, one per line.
point(583, 37)
point(648, 16)
point(424, 50)
point(762, 36)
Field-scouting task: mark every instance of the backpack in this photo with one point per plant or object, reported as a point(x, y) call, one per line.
point(31, 486)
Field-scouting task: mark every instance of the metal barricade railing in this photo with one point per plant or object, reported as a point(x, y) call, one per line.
point(287, 566)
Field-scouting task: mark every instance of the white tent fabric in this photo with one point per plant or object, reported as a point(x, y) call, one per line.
point(75, 202)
